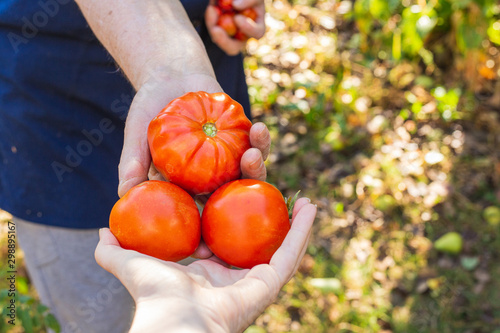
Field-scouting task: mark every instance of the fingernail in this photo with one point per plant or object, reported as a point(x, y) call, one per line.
point(308, 200)
point(100, 233)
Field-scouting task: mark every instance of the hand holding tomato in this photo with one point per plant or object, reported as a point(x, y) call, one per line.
point(229, 30)
point(158, 219)
point(244, 222)
point(204, 295)
point(150, 99)
point(198, 139)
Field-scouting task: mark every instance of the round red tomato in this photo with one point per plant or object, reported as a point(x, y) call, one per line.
point(244, 222)
point(250, 13)
point(226, 22)
point(225, 5)
point(158, 219)
point(198, 139)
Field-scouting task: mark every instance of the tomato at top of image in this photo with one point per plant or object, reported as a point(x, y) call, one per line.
point(225, 5)
point(158, 219)
point(250, 13)
point(244, 222)
point(198, 139)
point(226, 22)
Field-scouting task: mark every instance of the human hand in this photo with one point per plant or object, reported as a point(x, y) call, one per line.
point(135, 163)
point(250, 28)
point(205, 296)
point(150, 98)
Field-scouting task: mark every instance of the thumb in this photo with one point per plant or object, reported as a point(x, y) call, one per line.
point(135, 159)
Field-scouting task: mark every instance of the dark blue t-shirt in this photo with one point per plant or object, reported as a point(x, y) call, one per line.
point(63, 103)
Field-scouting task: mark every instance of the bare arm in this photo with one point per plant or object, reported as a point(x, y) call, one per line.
point(162, 55)
point(146, 37)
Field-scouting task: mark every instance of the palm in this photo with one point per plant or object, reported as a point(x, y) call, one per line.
point(221, 294)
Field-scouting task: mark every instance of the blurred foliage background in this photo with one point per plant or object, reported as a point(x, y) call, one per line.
point(385, 114)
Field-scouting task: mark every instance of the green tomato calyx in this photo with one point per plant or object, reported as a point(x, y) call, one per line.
point(210, 129)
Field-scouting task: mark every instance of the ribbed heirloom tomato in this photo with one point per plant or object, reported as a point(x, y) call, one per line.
point(244, 222)
point(158, 219)
point(198, 139)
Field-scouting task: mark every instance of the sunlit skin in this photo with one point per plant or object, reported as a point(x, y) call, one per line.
point(206, 295)
point(135, 34)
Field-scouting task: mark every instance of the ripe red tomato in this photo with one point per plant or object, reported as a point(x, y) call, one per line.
point(158, 219)
point(226, 22)
point(250, 13)
point(225, 5)
point(244, 222)
point(240, 36)
point(226, 18)
point(198, 139)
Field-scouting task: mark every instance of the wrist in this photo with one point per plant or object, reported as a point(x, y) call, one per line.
point(172, 315)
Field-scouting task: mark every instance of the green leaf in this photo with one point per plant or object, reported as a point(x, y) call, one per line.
point(492, 215)
point(255, 329)
point(468, 37)
point(52, 323)
point(327, 285)
point(22, 285)
point(290, 202)
point(469, 263)
point(494, 32)
point(25, 318)
point(450, 243)
point(379, 9)
point(396, 44)
point(385, 203)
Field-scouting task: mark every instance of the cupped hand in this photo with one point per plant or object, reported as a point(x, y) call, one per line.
point(153, 96)
point(247, 26)
point(205, 295)
point(149, 100)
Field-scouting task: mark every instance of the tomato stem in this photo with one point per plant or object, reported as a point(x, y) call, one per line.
point(210, 129)
point(290, 202)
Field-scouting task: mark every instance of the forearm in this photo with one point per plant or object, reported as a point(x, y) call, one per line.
point(147, 37)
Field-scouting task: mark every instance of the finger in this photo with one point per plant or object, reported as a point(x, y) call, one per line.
point(211, 17)
point(154, 174)
point(106, 237)
point(202, 251)
point(260, 138)
point(298, 206)
point(229, 45)
point(252, 165)
point(135, 158)
point(288, 255)
point(243, 4)
point(109, 254)
point(297, 264)
point(250, 27)
point(133, 268)
point(257, 291)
